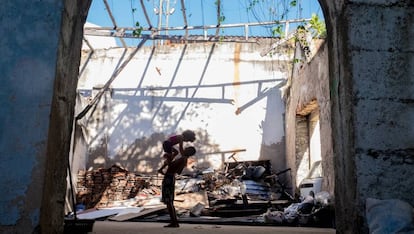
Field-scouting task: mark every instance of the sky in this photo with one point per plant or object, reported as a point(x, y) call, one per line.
point(203, 12)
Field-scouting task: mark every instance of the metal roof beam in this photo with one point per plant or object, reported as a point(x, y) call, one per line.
point(146, 15)
point(177, 38)
point(205, 26)
point(185, 18)
point(109, 82)
point(108, 9)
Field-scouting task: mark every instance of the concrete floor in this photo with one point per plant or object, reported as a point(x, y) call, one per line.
point(111, 227)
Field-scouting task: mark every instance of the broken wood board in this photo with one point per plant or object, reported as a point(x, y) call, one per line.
point(132, 215)
point(189, 200)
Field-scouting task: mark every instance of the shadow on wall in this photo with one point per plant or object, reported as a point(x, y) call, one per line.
point(273, 136)
point(275, 153)
point(144, 155)
point(112, 132)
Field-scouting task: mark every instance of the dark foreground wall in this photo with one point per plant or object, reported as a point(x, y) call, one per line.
point(371, 66)
point(29, 42)
point(40, 47)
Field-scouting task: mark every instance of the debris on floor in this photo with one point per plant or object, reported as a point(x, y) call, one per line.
point(242, 193)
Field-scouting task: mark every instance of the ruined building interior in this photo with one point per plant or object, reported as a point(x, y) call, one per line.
point(288, 130)
point(130, 98)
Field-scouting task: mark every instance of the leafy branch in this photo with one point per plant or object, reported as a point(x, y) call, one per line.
point(318, 28)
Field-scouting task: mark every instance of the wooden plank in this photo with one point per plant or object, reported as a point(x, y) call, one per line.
point(189, 200)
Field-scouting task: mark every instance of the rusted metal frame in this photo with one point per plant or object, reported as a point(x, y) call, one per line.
point(178, 38)
point(109, 82)
point(204, 26)
point(246, 32)
point(185, 18)
point(88, 43)
point(160, 17)
point(146, 15)
point(91, 51)
point(108, 9)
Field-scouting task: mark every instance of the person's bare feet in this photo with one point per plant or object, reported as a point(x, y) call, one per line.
point(173, 225)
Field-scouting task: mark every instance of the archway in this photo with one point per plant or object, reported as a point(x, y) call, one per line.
point(50, 180)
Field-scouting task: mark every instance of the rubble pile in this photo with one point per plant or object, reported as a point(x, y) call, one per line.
point(103, 187)
point(244, 192)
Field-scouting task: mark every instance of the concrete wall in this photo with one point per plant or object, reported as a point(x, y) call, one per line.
point(309, 92)
point(28, 61)
point(371, 81)
point(36, 93)
point(132, 119)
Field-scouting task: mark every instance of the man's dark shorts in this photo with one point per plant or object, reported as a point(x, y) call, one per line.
point(168, 188)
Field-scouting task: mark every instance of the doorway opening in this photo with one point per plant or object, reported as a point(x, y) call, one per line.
point(110, 93)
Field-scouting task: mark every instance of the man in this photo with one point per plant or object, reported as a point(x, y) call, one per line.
point(168, 183)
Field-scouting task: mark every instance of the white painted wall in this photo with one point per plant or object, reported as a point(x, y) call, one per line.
point(132, 112)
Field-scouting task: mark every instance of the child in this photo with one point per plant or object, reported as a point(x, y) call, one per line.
point(168, 146)
point(168, 183)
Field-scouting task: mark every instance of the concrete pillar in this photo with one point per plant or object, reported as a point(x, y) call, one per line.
point(371, 85)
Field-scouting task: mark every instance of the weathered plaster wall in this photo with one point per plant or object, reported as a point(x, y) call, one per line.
point(35, 54)
point(30, 34)
point(130, 122)
point(383, 97)
point(310, 82)
point(371, 79)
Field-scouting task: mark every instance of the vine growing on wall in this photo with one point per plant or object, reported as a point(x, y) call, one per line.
point(279, 10)
point(317, 27)
point(271, 10)
point(220, 16)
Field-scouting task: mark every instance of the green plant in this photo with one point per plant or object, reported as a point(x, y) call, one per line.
point(296, 60)
point(277, 31)
point(318, 28)
point(220, 15)
point(138, 30)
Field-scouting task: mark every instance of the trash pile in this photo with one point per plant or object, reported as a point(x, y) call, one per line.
point(242, 192)
point(313, 210)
